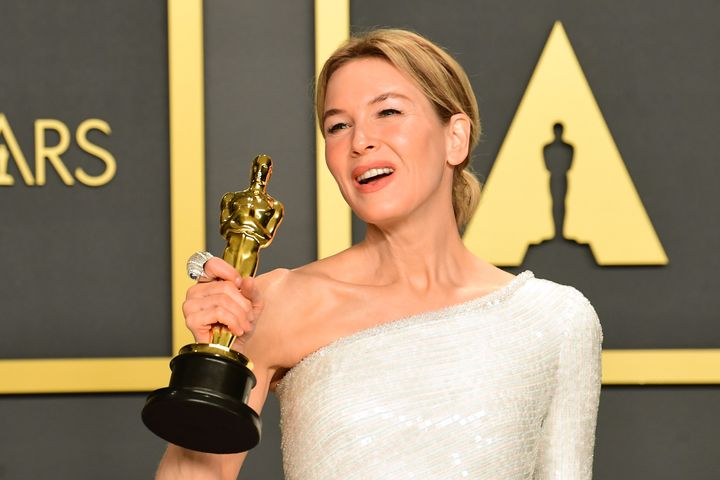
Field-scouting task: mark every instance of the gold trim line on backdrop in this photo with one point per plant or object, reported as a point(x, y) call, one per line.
point(187, 149)
point(620, 367)
point(334, 219)
point(661, 367)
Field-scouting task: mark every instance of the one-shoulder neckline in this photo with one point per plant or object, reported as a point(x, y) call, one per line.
point(492, 298)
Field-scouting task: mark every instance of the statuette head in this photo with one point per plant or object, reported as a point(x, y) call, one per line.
point(261, 171)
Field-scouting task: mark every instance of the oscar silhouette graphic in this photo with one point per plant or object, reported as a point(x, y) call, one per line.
point(558, 156)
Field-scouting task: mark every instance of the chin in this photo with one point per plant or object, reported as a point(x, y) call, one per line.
point(388, 212)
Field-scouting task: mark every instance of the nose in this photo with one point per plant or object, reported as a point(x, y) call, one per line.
point(362, 140)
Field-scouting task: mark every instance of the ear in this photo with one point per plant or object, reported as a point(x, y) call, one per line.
point(458, 138)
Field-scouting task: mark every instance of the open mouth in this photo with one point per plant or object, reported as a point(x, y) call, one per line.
point(373, 174)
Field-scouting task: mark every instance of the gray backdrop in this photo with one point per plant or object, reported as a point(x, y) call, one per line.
point(653, 68)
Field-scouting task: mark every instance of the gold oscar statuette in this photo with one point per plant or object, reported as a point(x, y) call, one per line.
point(205, 406)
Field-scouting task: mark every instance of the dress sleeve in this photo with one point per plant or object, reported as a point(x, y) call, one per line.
point(568, 430)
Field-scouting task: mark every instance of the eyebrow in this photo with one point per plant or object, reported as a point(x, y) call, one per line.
point(380, 98)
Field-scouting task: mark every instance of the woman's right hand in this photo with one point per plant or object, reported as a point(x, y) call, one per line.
point(224, 297)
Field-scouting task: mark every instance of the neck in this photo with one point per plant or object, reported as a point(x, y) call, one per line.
point(418, 252)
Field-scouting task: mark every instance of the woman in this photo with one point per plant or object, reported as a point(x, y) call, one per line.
point(406, 356)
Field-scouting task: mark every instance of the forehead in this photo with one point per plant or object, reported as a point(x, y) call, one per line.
point(363, 79)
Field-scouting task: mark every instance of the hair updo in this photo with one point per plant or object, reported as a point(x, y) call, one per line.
point(439, 76)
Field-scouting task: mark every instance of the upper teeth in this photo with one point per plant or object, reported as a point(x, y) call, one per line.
point(374, 172)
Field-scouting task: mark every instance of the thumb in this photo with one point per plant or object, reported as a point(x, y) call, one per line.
point(250, 291)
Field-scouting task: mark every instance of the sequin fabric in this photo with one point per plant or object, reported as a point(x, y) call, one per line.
point(505, 386)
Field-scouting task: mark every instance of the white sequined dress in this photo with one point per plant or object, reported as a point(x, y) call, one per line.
point(505, 386)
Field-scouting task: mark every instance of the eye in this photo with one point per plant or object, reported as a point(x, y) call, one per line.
point(388, 111)
point(336, 127)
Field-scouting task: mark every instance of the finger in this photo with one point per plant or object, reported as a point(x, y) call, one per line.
point(217, 268)
point(201, 322)
point(216, 287)
point(212, 288)
point(207, 303)
point(220, 288)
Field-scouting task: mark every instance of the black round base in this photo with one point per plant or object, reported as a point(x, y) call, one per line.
point(205, 407)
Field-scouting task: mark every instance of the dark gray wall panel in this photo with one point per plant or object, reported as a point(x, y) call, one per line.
point(76, 437)
point(659, 433)
point(84, 264)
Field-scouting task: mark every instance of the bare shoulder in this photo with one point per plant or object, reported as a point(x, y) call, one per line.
point(272, 279)
point(485, 277)
point(290, 286)
point(290, 300)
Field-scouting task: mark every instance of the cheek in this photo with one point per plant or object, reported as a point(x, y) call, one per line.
point(419, 139)
point(333, 155)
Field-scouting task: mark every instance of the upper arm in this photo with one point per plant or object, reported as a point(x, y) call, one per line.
point(225, 207)
point(568, 431)
point(277, 215)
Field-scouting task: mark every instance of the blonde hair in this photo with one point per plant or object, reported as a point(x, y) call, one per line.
point(441, 79)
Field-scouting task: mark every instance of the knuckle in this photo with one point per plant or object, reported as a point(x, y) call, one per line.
point(192, 323)
point(231, 305)
point(190, 292)
point(246, 306)
point(223, 315)
point(194, 291)
point(218, 312)
point(239, 303)
point(225, 287)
